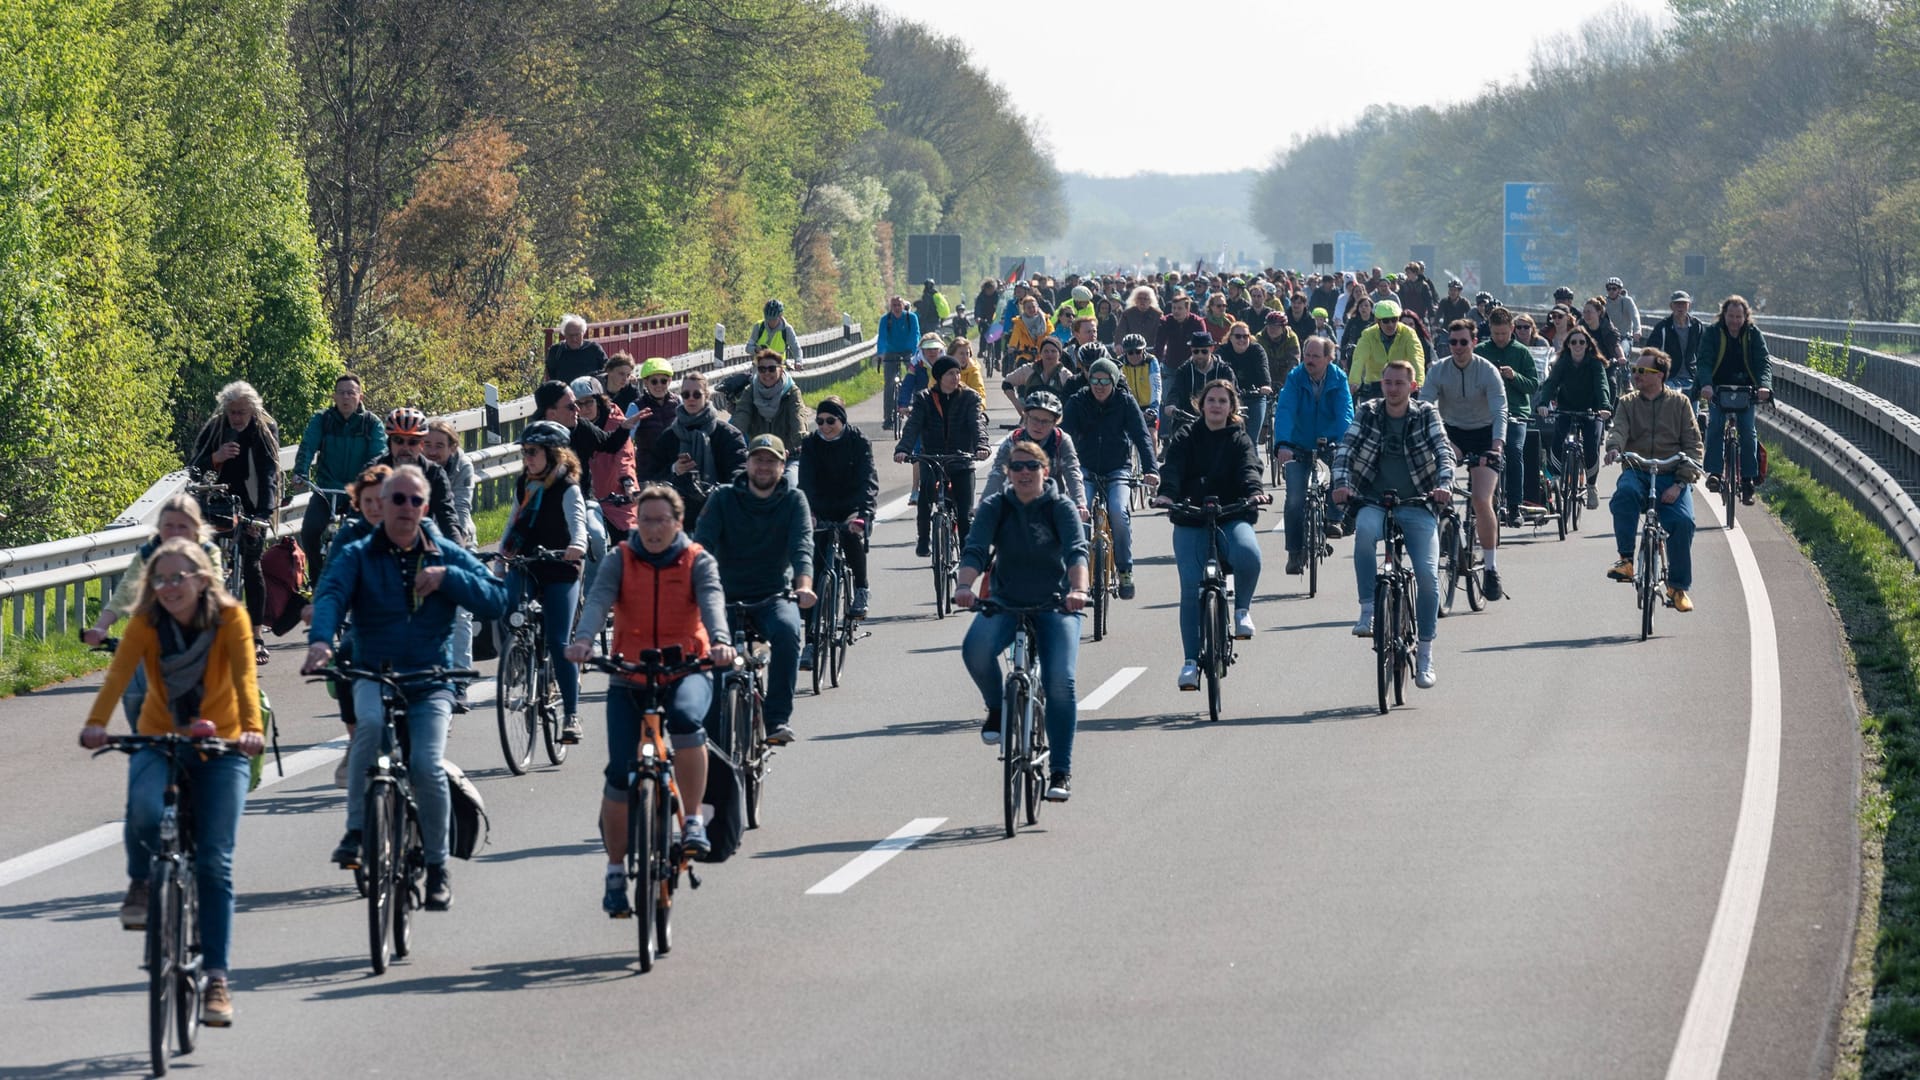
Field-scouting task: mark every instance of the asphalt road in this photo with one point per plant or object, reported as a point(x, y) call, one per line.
point(1516, 875)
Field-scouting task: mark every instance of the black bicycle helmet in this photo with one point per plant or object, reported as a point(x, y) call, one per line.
point(773, 309)
point(1045, 399)
point(1133, 343)
point(545, 433)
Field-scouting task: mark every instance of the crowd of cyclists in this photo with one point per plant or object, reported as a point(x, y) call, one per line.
point(652, 502)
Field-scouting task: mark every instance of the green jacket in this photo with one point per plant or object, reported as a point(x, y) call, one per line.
point(1731, 361)
point(1526, 377)
point(1578, 387)
point(346, 447)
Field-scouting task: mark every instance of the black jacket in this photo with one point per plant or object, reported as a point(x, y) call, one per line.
point(1685, 361)
point(729, 457)
point(1202, 463)
point(1250, 368)
point(1102, 434)
point(838, 477)
point(955, 424)
point(440, 499)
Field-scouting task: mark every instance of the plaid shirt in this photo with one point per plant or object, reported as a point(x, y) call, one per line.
point(1356, 464)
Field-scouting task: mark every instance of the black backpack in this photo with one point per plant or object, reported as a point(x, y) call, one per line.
point(467, 827)
point(725, 806)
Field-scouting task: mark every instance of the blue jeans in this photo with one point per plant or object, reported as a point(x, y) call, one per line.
point(1515, 463)
point(427, 733)
point(687, 703)
point(1298, 474)
point(1119, 518)
point(1422, 531)
point(779, 623)
point(1242, 550)
point(1058, 645)
point(1676, 517)
point(135, 697)
point(557, 603)
point(1716, 434)
point(219, 791)
point(1256, 411)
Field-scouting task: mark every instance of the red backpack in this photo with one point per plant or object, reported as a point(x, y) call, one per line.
point(284, 566)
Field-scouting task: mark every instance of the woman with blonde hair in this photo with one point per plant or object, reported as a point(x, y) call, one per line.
point(179, 517)
point(240, 446)
point(193, 641)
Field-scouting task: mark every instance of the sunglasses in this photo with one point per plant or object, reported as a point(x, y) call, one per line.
point(1648, 371)
point(401, 498)
point(1465, 343)
point(1390, 318)
point(1023, 466)
point(570, 406)
point(823, 421)
point(764, 368)
point(1100, 380)
point(1238, 337)
point(399, 441)
point(693, 395)
point(660, 380)
point(175, 580)
point(1578, 341)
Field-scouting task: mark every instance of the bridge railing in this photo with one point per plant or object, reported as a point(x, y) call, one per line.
point(48, 586)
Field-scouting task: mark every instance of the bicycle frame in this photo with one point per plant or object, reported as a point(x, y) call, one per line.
point(1024, 754)
point(1216, 629)
point(1394, 633)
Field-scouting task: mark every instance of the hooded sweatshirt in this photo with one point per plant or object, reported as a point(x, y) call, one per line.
point(763, 542)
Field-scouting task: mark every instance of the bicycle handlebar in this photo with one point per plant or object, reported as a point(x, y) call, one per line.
point(1213, 508)
point(941, 459)
point(538, 556)
point(395, 679)
point(127, 744)
point(989, 606)
point(652, 668)
point(1646, 464)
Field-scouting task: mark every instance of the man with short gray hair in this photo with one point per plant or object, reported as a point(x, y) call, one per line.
point(573, 355)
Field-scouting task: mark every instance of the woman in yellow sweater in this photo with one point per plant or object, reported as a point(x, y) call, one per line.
point(195, 643)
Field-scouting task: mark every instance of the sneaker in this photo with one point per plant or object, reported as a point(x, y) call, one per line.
point(1423, 676)
point(1336, 530)
point(347, 855)
point(216, 1005)
point(1713, 482)
point(913, 497)
point(1622, 570)
point(1242, 625)
point(340, 773)
point(460, 703)
point(1189, 676)
point(1126, 586)
point(133, 909)
point(695, 837)
point(806, 657)
point(1593, 497)
point(614, 901)
point(1059, 787)
point(1681, 601)
point(1363, 627)
point(570, 731)
point(1746, 493)
point(1296, 562)
point(859, 609)
point(990, 727)
point(781, 735)
point(923, 549)
point(1490, 585)
point(439, 888)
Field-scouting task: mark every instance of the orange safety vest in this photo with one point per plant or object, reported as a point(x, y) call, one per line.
point(657, 608)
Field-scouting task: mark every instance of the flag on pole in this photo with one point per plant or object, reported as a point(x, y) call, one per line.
point(1018, 272)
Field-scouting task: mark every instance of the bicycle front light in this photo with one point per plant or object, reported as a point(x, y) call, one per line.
point(516, 619)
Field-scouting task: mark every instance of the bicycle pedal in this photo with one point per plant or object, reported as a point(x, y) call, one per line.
point(693, 879)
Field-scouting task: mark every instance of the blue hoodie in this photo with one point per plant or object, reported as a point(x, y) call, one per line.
point(1299, 420)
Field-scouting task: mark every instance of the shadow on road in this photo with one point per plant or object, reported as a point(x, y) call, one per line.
point(312, 896)
point(498, 978)
point(125, 1065)
point(960, 837)
point(1562, 643)
point(67, 908)
point(307, 974)
point(922, 727)
point(578, 847)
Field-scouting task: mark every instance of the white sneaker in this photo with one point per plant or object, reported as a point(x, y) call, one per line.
point(1190, 676)
point(1364, 627)
point(1423, 676)
point(1243, 625)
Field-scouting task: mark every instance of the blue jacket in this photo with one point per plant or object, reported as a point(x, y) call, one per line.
point(898, 334)
point(390, 625)
point(1298, 421)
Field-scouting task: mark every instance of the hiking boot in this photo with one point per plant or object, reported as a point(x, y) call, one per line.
point(1680, 600)
point(439, 888)
point(133, 909)
point(216, 1006)
point(1059, 787)
point(1189, 676)
point(570, 731)
point(990, 727)
point(859, 608)
point(1126, 586)
point(695, 838)
point(347, 855)
point(1490, 584)
point(614, 901)
point(806, 657)
point(1622, 570)
point(1296, 562)
point(781, 735)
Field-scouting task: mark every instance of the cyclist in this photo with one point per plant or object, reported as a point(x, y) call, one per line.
point(1314, 404)
point(402, 585)
point(606, 476)
point(698, 451)
point(1179, 329)
point(1521, 378)
point(1655, 422)
point(179, 517)
point(1623, 312)
point(760, 530)
point(1031, 538)
point(932, 307)
point(1299, 316)
point(573, 355)
point(899, 336)
point(192, 640)
point(656, 406)
point(1416, 292)
point(1282, 345)
point(1180, 388)
point(240, 444)
point(1253, 374)
point(621, 388)
point(1398, 446)
point(368, 503)
point(1140, 318)
point(1066, 318)
point(1048, 371)
point(1382, 342)
point(838, 477)
point(773, 333)
point(1593, 316)
point(336, 445)
point(1213, 458)
point(406, 445)
point(1733, 353)
point(1084, 347)
point(1142, 373)
point(550, 512)
point(946, 418)
point(1679, 336)
point(1042, 427)
point(1577, 382)
point(442, 447)
point(1030, 328)
point(1472, 398)
point(771, 406)
point(664, 592)
point(1104, 424)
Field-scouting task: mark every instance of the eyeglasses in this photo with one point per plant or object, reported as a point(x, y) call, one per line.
point(823, 421)
point(1099, 380)
point(693, 395)
point(1023, 466)
point(401, 498)
point(1648, 371)
point(1465, 343)
point(175, 580)
point(570, 406)
point(399, 440)
point(764, 368)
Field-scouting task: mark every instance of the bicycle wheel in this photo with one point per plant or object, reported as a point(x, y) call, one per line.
point(409, 869)
point(1649, 584)
point(379, 857)
point(550, 717)
point(1476, 595)
point(1383, 643)
point(1730, 477)
point(1036, 770)
point(1404, 641)
point(940, 595)
point(823, 630)
point(1216, 645)
point(1097, 559)
point(512, 701)
point(641, 859)
point(1450, 569)
point(1559, 489)
point(190, 979)
point(1012, 754)
point(842, 632)
point(161, 940)
point(756, 741)
point(1577, 501)
point(1315, 544)
point(664, 869)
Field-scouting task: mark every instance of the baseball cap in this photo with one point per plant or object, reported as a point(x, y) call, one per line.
point(1680, 296)
point(769, 443)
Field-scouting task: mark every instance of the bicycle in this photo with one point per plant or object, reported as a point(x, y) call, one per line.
point(1569, 485)
point(1105, 586)
point(1394, 639)
point(1460, 565)
point(1314, 543)
point(339, 504)
point(944, 530)
point(176, 983)
point(1216, 613)
point(1024, 755)
point(224, 516)
point(1650, 561)
point(656, 816)
point(393, 854)
point(834, 627)
point(1732, 401)
point(743, 702)
point(527, 696)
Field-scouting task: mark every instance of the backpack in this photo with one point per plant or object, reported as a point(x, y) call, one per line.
point(725, 808)
point(467, 827)
point(284, 567)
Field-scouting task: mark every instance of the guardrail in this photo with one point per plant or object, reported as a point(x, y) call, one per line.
point(51, 584)
point(1903, 335)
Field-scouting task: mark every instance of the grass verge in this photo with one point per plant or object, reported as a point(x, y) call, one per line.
point(1877, 594)
point(852, 391)
point(27, 664)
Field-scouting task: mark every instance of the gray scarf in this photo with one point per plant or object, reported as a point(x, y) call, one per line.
point(1036, 324)
point(183, 666)
point(767, 400)
point(694, 431)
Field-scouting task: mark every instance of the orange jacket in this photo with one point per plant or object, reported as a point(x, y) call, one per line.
point(657, 606)
point(231, 698)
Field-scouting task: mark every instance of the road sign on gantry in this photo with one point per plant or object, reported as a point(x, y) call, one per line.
point(933, 255)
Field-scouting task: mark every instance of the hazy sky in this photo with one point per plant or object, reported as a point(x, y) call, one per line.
point(1384, 51)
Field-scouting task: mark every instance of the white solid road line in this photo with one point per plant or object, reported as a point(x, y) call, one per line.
point(1110, 689)
point(875, 857)
point(62, 852)
point(892, 510)
point(1702, 1044)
